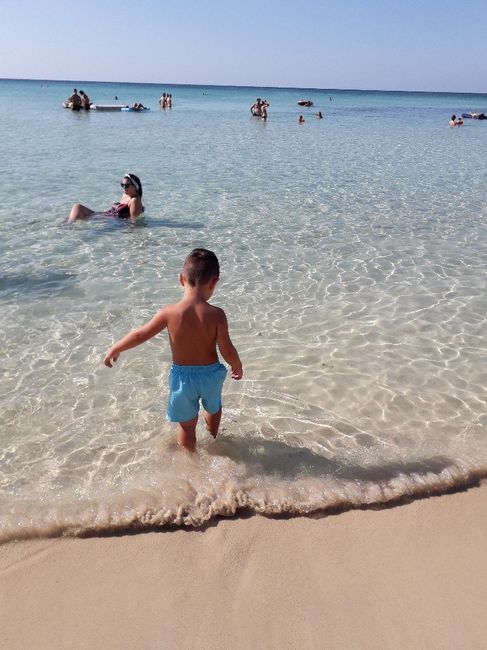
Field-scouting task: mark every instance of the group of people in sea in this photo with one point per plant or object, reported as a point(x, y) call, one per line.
point(455, 121)
point(166, 100)
point(78, 101)
point(259, 108)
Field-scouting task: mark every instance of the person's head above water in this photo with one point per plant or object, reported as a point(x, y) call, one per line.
point(200, 267)
point(132, 181)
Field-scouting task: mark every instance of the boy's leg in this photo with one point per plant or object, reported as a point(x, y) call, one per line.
point(213, 421)
point(187, 434)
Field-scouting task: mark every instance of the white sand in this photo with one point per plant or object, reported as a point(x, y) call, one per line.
point(412, 576)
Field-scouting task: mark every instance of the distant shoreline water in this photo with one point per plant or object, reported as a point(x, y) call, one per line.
point(245, 87)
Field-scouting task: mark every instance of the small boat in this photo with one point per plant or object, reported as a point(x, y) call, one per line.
point(305, 102)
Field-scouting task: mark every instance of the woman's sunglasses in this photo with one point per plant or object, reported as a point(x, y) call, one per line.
point(125, 185)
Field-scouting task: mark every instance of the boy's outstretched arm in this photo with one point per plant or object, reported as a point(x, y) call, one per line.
point(138, 336)
point(226, 347)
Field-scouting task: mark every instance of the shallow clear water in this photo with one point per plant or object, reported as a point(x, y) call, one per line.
point(353, 256)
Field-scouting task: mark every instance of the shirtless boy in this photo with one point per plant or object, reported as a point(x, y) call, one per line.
point(195, 330)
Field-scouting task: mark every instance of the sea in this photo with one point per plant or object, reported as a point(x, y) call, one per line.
point(353, 274)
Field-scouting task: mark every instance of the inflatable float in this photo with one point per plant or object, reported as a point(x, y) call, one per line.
point(108, 107)
point(475, 116)
point(135, 110)
point(305, 102)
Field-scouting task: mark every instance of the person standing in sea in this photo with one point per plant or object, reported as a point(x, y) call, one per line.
point(74, 101)
point(85, 100)
point(196, 329)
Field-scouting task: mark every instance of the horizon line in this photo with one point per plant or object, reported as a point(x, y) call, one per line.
point(154, 83)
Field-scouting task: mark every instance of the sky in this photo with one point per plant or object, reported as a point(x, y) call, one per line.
point(423, 45)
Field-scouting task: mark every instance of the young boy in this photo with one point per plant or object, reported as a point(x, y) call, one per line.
point(195, 330)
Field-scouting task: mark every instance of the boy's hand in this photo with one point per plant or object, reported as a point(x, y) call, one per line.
point(237, 373)
point(109, 356)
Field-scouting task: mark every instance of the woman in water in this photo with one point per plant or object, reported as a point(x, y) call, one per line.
point(129, 207)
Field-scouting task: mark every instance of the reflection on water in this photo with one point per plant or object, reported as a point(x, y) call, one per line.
point(27, 286)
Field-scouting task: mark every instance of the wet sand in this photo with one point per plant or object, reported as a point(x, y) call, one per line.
point(409, 576)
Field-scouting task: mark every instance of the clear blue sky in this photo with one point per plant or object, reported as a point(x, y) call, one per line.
point(370, 44)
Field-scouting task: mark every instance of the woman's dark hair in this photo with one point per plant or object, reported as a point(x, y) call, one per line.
point(133, 177)
point(200, 267)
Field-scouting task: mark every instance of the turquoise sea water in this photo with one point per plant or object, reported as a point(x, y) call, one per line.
point(353, 256)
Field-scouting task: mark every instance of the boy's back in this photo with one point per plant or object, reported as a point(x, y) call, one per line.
point(193, 331)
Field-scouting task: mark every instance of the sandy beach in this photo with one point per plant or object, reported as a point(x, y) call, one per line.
point(409, 576)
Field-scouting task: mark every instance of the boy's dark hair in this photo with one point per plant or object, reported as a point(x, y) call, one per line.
point(200, 267)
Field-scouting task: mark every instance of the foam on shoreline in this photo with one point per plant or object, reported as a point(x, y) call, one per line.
point(212, 486)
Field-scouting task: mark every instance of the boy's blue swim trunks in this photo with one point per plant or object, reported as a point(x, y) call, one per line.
point(190, 384)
